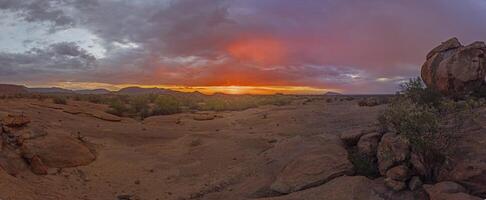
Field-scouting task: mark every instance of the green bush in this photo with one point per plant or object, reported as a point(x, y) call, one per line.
point(416, 91)
point(59, 100)
point(363, 164)
point(166, 105)
point(118, 108)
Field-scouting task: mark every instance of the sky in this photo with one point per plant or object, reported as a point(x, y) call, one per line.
point(232, 46)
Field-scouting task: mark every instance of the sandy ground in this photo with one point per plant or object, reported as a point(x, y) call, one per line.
point(174, 157)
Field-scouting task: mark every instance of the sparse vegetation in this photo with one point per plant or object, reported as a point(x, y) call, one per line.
point(428, 120)
point(364, 164)
point(142, 106)
point(59, 100)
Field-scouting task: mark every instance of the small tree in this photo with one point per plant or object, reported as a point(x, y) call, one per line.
point(166, 105)
point(59, 100)
point(117, 108)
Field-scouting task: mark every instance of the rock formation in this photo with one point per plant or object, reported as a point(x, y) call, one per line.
point(454, 69)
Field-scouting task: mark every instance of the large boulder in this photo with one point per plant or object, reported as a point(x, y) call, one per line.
point(57, 151)
point(392, 150)
point(12, 120)
point(368, 144)
point(325, 161)
point(352, 188)
point(467, 158)
point(448, 191)
point(454, 69)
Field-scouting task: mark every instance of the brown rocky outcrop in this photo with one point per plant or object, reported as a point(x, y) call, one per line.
point(392, 150)
point(6, 89)
point(467, 161)
point(58, 151)
point(368, 144)
point(12, 120)
point(327, 159)
point(454, 69)
point(448, 191)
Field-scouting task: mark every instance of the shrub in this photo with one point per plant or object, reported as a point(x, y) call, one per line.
point(364, 164)
point(429, 121)
point(139, 103)
point(166, 105)
point(416, 91)
point(59, 100)
point(118, 108)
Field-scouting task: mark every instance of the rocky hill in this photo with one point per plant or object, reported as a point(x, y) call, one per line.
point(12, 89)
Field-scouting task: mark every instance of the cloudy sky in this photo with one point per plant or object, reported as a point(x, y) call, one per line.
point(352, 46)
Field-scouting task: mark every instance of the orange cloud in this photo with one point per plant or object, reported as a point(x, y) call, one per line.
point(261, 50)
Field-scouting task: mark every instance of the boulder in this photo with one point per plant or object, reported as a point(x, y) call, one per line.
point(398, 173)
point(351, 138)
point(395, 185)
point(315, 166)
point(15, 120)
point(448, 191)
point(467, 159)
point(37, 166)
point(454, 69)
point(341, 188)
point(392, 150)
point(415, 183)
point(203, 117)
point(368, 144)
point(58, 151)
point(11, 162)
point(352, 188)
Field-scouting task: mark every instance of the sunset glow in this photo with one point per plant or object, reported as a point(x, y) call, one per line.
point(248, 46)
point(260, 90)
point(262, 51)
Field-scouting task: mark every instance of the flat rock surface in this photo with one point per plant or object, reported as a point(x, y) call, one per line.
point(234, 156)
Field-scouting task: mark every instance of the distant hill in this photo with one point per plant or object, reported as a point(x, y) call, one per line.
point(94, 91)
point(332, 94)
point(12, 89)
point(139, 90)
point(52, 90)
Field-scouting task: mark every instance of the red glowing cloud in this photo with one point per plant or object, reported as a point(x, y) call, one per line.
point(259, 50)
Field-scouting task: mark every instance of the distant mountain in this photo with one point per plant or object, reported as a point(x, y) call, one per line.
point(139, 90)
point(52, 90)
point(332, 94)
point(94, 91)
point(12, 89)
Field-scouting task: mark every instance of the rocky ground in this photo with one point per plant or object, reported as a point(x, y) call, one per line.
point(293, 152)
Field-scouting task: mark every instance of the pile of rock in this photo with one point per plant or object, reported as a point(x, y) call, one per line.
point(404, 169)
point(30, 147)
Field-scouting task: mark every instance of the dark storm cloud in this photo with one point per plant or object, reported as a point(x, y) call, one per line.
point(57, 58)
point(39, 11)
point(339, 44)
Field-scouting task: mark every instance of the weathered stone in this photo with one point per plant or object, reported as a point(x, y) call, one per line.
point(11, 162)
point(368, 144)
point(415, 183)
point(204, 117)
point(395, 185)
point(398, 173)
point(58, 151)
point(15, 120)
point(315, 167)
point(448, 191)
point(454, 69)
point(341, 188)
point(392, 150)
point(467, 160)
point(351, 138)
point(37, 166)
